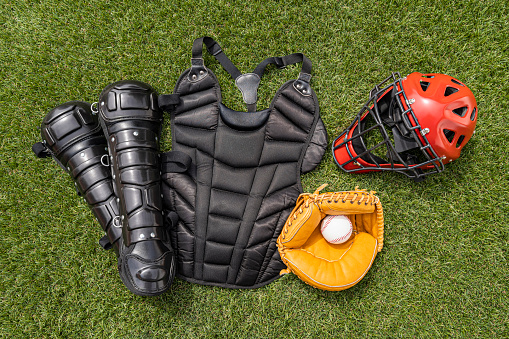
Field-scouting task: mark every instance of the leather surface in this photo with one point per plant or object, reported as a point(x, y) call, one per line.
point(326, 266)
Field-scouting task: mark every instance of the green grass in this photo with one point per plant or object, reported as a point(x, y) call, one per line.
point(444, 269)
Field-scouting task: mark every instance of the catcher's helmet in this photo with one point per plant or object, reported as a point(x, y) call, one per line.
point(423, 120)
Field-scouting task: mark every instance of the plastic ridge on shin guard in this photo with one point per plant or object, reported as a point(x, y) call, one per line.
point(72, 136)
point(131, 120)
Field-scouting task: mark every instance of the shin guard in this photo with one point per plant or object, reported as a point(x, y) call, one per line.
point(72, 136)
point(131, 121)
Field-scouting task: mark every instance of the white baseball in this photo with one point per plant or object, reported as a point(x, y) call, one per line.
point(336, 229)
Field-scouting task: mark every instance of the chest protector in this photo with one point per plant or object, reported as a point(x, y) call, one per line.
point(234, 177)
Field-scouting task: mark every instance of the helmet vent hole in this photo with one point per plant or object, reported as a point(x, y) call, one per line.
point(424, 85)
point(450, 90)
point(460, 141)
point(457, 82)
point(428, 76)
point(461, 111)
point(449, 134)
point(474, 112)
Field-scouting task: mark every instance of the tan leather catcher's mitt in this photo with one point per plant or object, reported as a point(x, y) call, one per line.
point(323, 265)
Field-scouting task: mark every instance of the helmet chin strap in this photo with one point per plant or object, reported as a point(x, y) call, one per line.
point(401, 143)
point(391, 117)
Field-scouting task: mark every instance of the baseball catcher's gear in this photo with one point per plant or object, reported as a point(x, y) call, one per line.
point(131, 120)
point(429, 117)
point(73, 137)
point(327, 266)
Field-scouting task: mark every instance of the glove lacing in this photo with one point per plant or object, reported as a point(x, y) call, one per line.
point(352, 196)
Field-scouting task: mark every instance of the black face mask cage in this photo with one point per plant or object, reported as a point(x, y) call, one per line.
point(385, 112)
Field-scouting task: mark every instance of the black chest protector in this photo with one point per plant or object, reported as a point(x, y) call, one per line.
point(234, 177)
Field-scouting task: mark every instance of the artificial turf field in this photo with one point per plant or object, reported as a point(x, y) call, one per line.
point(444, 268)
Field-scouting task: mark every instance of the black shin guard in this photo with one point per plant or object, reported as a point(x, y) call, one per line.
point(72, 136)
point(131, 120)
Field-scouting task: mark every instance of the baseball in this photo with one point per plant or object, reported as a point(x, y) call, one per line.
point(336, 229)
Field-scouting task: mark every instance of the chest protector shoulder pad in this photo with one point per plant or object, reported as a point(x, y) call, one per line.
point(234, 177)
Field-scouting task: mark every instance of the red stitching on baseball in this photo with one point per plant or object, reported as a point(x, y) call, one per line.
point(329, 219)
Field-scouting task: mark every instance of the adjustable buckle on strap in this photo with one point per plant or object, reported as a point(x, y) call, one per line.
point(278, 61)
point(215, 49)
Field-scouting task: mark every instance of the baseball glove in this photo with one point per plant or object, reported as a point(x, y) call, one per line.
point(327, 266)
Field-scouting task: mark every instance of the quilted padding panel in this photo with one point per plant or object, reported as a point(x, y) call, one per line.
point(241, 186)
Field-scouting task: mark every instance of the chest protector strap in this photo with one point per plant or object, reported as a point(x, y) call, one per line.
point(234, 177)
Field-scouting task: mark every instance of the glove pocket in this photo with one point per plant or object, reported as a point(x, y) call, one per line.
point(332, 267)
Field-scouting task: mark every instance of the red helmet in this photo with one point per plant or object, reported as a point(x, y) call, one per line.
point(412, 125)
